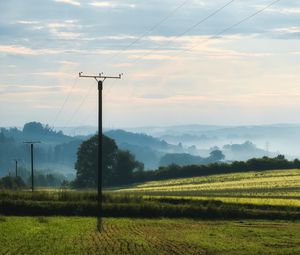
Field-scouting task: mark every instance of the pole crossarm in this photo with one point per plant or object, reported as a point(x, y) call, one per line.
point(100, 76)
point(32, 142)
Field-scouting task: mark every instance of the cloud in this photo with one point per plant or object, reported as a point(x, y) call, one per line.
point(287, 30)
point(45, 106)
point(72, 2)
point(27, 89)
point(55, 74)
point(183, 98)
point(68, 63)
point(154, 96)
point(16, 50)
point(67, 29)
point(191, 47)
point(22, 50)
point(67, 35)
point(27, 22)
point(107, 4)
point(290, 10)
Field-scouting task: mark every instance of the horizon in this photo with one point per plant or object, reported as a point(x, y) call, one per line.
point(159, 126)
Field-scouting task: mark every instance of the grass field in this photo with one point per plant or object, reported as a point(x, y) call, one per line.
point(251, 195)
point(122, 236)
point(276, 187)
point(245, 197)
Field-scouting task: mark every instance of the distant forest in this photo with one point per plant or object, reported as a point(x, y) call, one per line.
point(254, 164)
point(56, 155)
point(56, 152)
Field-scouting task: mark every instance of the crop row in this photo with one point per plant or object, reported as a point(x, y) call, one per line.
point(77, 236)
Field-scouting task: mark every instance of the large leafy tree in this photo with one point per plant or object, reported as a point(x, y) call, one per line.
point(117, 165)
point(125, 166)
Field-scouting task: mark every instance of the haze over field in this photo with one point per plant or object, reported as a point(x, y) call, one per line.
point(275, 138)
point(153, 146)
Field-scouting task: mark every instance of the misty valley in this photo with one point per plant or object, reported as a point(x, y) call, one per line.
point(152, 146)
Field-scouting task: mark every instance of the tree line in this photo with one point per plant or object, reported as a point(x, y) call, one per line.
point(121, 168)
point(255, 164)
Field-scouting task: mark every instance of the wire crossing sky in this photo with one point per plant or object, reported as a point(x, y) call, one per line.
point(175, 72)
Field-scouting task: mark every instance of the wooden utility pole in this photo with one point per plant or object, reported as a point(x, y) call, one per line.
point(31, 150)
point(100, 79)
point(16, 162)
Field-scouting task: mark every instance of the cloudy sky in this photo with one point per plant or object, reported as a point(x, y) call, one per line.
point(184, 61)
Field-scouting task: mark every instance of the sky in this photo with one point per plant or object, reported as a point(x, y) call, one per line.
point(183, 62)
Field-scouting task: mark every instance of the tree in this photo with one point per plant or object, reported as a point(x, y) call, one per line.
point(216, 155)
point(9, 182)
point(33, 128)
point(86, 164)
point(117, 165)
point(125, 166)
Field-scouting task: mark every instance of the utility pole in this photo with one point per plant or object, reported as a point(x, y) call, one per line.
point(16, 161)
point(100, 79)
point(31, 150)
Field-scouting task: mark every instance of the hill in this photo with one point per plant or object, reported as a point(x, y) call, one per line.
point(276, 187)
point(146, 148)
point(276, 138)
point(56, 152)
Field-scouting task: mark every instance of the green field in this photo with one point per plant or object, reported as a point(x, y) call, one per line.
point(194, 211)
point(252, 195)
point(276, 187)
point(77, 235)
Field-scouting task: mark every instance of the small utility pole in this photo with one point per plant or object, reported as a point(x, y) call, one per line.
point(100, 79)
point(16, 161)
point(31, 150)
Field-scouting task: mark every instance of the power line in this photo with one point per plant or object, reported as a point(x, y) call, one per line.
point(79, 106)
point(66, 100)
point(233, 25)
point(188, 29)
point(217, 34)
point(91, 114)
point(61, 107)
point(172, 12)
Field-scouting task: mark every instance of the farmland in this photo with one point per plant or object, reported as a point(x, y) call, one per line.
point(239, 213)
point(77, 235)
point(276, 187)
point(252, 195)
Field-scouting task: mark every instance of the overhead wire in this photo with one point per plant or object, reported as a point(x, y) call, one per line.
point(210, 15)
point(149, 31)
point(176, 37)
point(230, 27)
point(165, 18)
point(79, 105)
point(61, 107)
point(217, 34)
